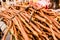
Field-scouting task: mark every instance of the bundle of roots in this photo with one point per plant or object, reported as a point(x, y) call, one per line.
point(25, 22)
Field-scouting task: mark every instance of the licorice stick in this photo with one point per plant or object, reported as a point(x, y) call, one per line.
point(46, 38)
point(5, 16)
point(57, 34)
point(28, 31)
point(49, 12)
point(45, 16)
point(20, 35)
point(31, 36)
point(37, 23)
point(29, 17)
point(54, 27)
point(48, 23)
point(43, 26)
point(7, 30)
point(32, 25)
point(54, 22)
point(40, 18)
point(11, 38)
point(27, 25)
point(42, 14)
point(48, 30)
point(18, 23)
point(16, 33)
point(53, 33)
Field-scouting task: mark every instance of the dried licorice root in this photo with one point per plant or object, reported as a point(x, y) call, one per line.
point(27, 23)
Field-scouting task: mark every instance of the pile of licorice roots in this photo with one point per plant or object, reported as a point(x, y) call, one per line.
point(28, 23)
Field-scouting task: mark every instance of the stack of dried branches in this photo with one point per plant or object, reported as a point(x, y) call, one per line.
point(25, 22)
